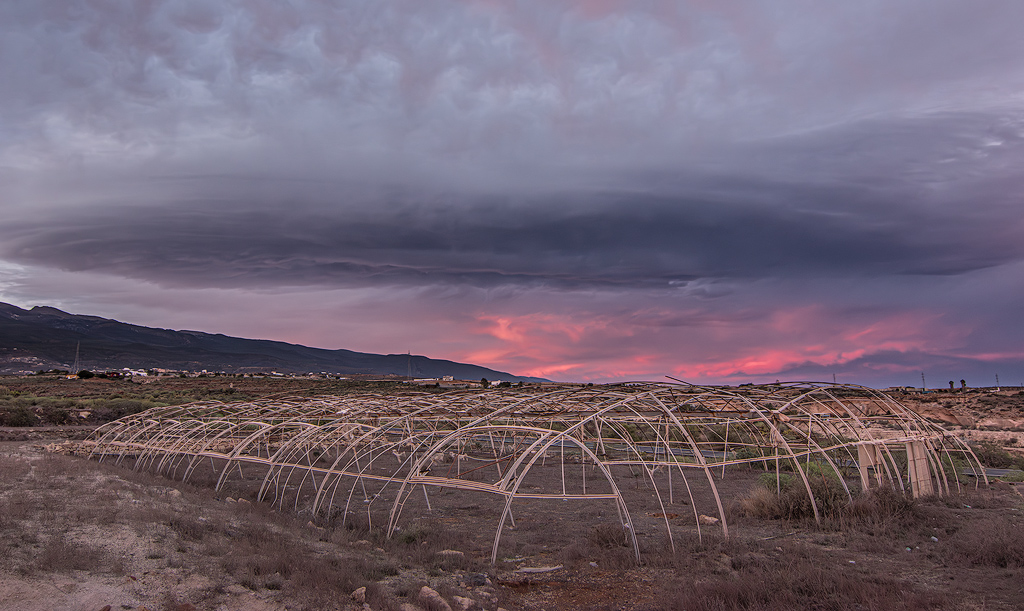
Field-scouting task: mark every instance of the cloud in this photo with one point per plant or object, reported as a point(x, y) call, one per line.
point(599, 189)
point(651, 231)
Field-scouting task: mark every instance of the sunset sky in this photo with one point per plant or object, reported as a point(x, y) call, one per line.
point(583, 190)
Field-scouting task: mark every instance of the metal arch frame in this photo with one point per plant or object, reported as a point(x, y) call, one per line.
point(656, 425)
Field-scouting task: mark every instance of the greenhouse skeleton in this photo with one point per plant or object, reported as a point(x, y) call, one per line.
point(369, 453)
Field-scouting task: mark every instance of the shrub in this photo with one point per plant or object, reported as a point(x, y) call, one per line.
point(608, 536)
point(990, 541)
point(784, 497)
point(754, 455)
point(610, 546)
point(61, 554)
point(802, 582)
point(55, 415)
point(17, 416)
point(993, 455)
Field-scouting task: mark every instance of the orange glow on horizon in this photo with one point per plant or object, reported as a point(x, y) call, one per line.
point(629, 346)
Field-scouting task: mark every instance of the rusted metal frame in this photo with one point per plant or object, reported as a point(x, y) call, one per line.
point(352, 444)
point(650, 473)
point(791, 454)
point(166, 443)
point(865, 430)
point(143, 443)
point(239, 448)
point(822, 452)
point(425, 436)
point(286, 454)
point(202, 443)
point(107, 442)
point(434, 449)
point(620, 502)
point(836, 429)
point(172, 444)
point(103, 433)
point(699, 457)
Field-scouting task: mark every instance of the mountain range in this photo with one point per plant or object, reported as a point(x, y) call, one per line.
point(44, 338)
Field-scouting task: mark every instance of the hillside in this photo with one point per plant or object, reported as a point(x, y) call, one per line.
point(46, 338)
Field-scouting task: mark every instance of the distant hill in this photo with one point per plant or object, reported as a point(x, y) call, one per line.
point(46, 338)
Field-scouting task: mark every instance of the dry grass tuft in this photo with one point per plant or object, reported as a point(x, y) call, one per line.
point(793, 579)
point(61, 554)
point(607, 544)
point(420, 543)
point(992, 541)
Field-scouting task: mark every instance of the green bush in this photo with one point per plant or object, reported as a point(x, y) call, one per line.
point(791, 502)
point(1013, 476)
point(994, 456)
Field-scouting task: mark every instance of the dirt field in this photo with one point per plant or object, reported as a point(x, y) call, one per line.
point(82, 535)
point(77, 534)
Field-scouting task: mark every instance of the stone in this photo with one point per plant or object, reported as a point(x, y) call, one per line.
point(474, 579)
point(451, 554)
point(244, 502)
point(359, 595)
point(539, 569)
point(174, 493)
point(229, 500)
point(708, 519)
point(409, 607)
point(462, 603)
point(432, 600)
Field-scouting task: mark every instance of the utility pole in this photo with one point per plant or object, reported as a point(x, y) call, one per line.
point(75, 367)
point(833, 378)
point(924, 387)
point(997, 382)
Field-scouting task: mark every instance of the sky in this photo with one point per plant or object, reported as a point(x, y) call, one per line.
point(582, 190)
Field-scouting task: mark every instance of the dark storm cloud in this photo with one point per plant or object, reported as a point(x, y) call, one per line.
point(735, 229)
point(522, 175)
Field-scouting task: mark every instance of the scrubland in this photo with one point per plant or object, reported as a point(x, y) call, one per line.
point(80, 534)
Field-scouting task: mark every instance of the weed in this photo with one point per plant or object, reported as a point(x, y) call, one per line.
point(188, 528)
point(607, 536)
point(17, 416)
point(992, 455)
point(786, 497)
point(61, 554)
point(607, 544)
point(996, 541)
point(800, 581)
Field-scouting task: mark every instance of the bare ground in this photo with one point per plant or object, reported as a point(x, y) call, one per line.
point(77, 534)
